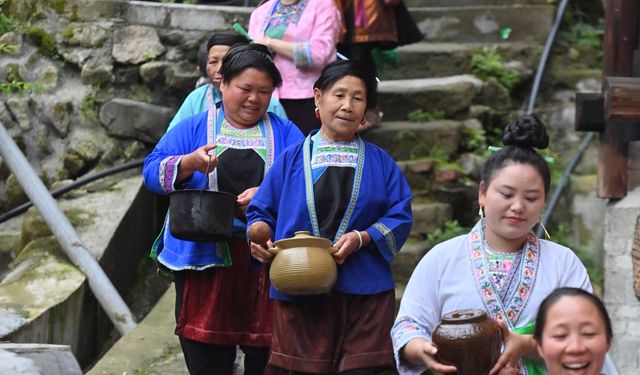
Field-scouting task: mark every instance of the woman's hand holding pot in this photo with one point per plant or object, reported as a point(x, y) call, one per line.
point(421, 351)
point(202, 159)
point(516, 346)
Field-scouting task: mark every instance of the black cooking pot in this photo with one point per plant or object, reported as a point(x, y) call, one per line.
point(201, 215)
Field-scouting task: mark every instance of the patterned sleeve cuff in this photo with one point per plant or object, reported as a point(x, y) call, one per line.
point(389, 237)
point(405, 330)
point(169, 172)
point(302, 57)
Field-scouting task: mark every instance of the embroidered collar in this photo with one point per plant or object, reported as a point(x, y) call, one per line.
point(510, 307)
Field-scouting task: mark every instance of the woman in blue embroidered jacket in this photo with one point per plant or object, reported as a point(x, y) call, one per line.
point(221, 296)
point(337, 186)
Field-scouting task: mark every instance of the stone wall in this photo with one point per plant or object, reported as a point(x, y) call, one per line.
point(620, 298)
point(105, 79)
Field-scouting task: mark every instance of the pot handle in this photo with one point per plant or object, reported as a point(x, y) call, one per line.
point(274, 250)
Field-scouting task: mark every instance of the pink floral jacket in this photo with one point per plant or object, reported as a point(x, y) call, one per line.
point(314, 39)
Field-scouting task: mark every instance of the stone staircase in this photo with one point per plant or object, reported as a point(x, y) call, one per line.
point(433, 75)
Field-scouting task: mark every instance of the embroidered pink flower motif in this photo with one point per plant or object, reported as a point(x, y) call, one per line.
point(527, 272)
point(530, 255)
point(511, 314)
point(522, 291)
point(481, 272)
point(499, 316)
point(488, 293)
point(477, 254)
point(475, 236)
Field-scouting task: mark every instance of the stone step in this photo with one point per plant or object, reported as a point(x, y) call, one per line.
point(453, 95)
point(407, 259)
point(29, 359)
point(411, 140)
point(443, 3)
point(428, 60)
point(482, 23)
point(428, 215)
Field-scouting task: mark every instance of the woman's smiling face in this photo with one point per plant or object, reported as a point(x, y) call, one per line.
point(574, 339)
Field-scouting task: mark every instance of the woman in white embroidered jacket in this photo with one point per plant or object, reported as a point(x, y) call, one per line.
point(500, 266)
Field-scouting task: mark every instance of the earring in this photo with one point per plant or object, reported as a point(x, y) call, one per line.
point(544, 229)
point(317, 111)
point(481, 212)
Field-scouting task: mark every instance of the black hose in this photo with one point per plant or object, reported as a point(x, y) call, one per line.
point(76, 184)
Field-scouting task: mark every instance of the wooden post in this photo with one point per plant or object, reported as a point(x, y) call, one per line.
point(620, 43)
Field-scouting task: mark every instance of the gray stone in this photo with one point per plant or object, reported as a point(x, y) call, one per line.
point(76, 56)
point(97, 73)
point(495, 95)
point(428, 217)
point(410, 140)
point(55, 113)
point(88, 35)
point(12, 39)
point(471, 164)
point(35, 359)
point(174, 54)
point(136, 44)
point(132, 119)
point(453, 95)
point(19, 110)
point(14, 195)
point(126, 75)
point(83, 152)
point(5, 116)
point(48, 77)
point(153, 70)
point(172, 37)
point(182, 76)
point(407, 259)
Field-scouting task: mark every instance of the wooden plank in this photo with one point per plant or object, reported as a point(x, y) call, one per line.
point(620, 43)
point(622, 98)
point(589, 112)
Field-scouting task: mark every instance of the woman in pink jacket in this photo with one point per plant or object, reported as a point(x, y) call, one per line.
point(303, 35)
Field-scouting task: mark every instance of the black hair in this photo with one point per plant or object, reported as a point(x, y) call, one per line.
point(241, 57)
point(551, 300)
point(224, 38)
point(520, 137)
point(337, 70)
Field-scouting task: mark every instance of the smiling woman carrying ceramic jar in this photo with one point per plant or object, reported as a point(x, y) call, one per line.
point(500, 266)
point(337, 186)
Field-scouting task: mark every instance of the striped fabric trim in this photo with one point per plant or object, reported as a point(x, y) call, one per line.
point(388, 236)
point(169, 172)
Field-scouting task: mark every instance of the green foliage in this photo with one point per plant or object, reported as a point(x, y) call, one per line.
point(450, 229)
point(485, 64)
point(58, 6)
point(562, 235)
point(585, 35)
point(89, 105)
point(420, 115)
point(438, 155)
point(8, 48)
point(476, 140)
point(45, 41)
point(20, 87)
point(7, 23)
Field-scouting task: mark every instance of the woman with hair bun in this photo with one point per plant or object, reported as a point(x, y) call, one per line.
point(500, 266)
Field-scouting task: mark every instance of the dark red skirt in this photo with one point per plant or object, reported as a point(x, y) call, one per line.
point(227, 306)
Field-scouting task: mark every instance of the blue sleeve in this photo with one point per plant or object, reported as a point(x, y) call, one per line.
point(161, 165)
point(391, 230)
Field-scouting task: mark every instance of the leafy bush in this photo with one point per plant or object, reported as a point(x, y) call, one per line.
point(420, 115)
point(450, 229)
point(486, 64)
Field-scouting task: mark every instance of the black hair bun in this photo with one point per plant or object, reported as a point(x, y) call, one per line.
point(526, 131)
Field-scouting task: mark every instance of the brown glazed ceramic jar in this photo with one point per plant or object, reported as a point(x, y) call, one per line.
point(468, 339)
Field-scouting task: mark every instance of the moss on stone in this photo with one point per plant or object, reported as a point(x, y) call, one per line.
point(46, 42)
point(12, 72)
point(58, 6)
point(68, 31)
